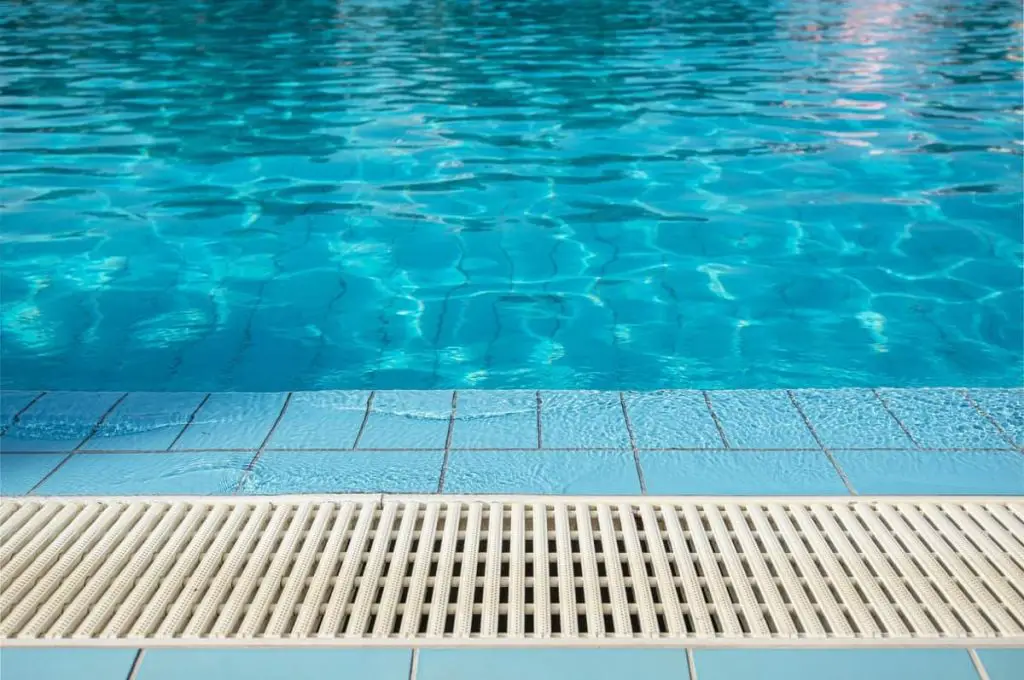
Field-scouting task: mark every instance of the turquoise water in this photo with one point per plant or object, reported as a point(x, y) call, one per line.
point(597, 193)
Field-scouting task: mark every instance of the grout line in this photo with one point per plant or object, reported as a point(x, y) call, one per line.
point(366, 417)
point(885, 405)
point(714, 417)
point(691, 664)
point(188, 422)
point(824, 449)
point(133, 672)
point(414, 663)
point(632, 444)
point(448, 441)
point(540, 426)
point(19, 414)
point(991, 419)
point(978, 665)
point(263, 445)
point(95, 429)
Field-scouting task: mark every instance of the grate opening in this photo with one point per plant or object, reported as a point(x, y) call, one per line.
point(564, 570)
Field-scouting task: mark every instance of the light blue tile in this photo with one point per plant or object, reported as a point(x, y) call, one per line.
point(64, 664)
point(573, 420)
point(761, 419)
point(145, 421)
point(851, 419)
point(233, 420)
point(19, 472)
point(345, 472)
point(409, 419)
point(115, 474)
point(59, 421)
point(542, 472)
point(321, 420)
point(1006, 407)
point(933, 472)
point(834, 664)
point(275, 664)
point(1003, 664)
point(942, 419)
point(494, 419)
point(672, 419)
point(11, 402)
point(740, 473)
point(552, 664)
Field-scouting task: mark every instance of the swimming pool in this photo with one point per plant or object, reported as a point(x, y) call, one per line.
point(613, 194)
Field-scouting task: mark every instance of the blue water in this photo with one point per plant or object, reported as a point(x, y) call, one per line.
point(586, 193)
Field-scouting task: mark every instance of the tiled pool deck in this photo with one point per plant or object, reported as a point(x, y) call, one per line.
point(799, 442)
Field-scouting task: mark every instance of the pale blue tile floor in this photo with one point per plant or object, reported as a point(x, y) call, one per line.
point(674, 442)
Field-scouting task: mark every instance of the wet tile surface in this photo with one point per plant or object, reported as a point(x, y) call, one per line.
point(583, 420)
point(232, 420)
point(65, 664)
point(408, 420)
point(676, 419)
point(59, 421)
point(761, 420)
point(145, 421)
point(320, 420)
point(711, 473)
point(552, 664)
point(495, 420)
point(275, 664)
point(278, 472)
point(834, 664)
point(134, 474)
point(933, 472)
point(542, 472)
point(942, 419)
point(851, 419)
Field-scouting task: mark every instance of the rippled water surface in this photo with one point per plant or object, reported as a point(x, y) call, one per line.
point(586, 193)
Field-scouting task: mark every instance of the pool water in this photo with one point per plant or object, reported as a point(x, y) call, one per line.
point(590, 193)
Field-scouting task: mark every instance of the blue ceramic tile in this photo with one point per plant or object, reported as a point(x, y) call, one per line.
point(1006, 407)
point(761, 419)
point(233, 420)
point(672, 419)
point(487, 419)
point(942, 419)
point(145, 421)
point(115, 474)
point(11, 402)
point(933, 472)
point(542, 472)
point(275, 664)
point(59, 421)
point(408, 420)
point(552, 664)
point(1002, 664)
point(573, 420)
point(834, 664)
point(740, 473)
point(19, 472)
point(320, 420)
point(63, 664)
point(345, 472)
point(851, 419)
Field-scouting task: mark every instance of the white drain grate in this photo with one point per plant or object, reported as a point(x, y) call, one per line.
point(450, 572)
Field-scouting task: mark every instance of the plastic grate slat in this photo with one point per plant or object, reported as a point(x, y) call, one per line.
point(424, 571)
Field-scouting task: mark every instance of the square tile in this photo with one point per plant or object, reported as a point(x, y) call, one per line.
point(712, 473)
point(851, 419)
point(143, 474)
point(583, 420)
point(1002, 664)
point(275, 664)
point(233, 420)
point(1006, 406)
point(145, 421)
point(59, 421)
point(410, 419)
point(495, 419)
point(933, 472)
point(761, 419)
point(672, 419)
point(279, 472)
point(19, 472)
point(63, 664)
point(11, 402)
point(320, 420)
point(542, 472)
point(552, 664)
point(942, 419)
point(834, 664)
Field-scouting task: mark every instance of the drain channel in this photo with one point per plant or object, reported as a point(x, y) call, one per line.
point(541, 570)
